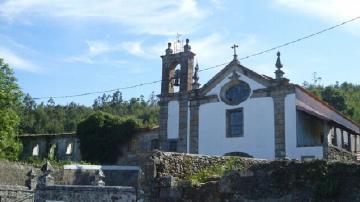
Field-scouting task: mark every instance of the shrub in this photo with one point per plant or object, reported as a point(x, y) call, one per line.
point(102, 134)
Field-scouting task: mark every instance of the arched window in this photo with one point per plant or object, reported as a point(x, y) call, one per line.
point(35, 150)
point(52, 152)
point(176, 79)
point(69, 149)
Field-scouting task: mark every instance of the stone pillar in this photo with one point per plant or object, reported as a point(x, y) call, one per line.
point(46, 179)
point(194, 127)
point(31, 181)
point(99, 178)
point(163, 125)
point(278, 93)
point(183, 125)
point(279, 113)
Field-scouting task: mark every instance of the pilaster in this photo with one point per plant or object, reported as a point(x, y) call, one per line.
point(183, 125)
point(163, 125)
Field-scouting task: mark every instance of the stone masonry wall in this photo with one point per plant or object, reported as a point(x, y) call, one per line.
point(337, 154)
point(15, 173)
point(255, 180)
point(86, 193)
point(181, 165)
point(15, 193)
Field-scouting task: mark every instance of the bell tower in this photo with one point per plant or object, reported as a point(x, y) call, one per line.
point(171, 76)
point(177, 74)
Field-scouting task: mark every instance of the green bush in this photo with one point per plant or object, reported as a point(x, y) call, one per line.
point(102, 134)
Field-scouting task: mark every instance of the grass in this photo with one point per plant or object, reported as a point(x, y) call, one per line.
point(214, 171)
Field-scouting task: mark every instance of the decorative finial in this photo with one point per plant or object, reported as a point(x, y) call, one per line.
point(196, 84)
point(169, 50)
point(278, 61)
point(278, 73)
point(234, 47)
point(187, 47)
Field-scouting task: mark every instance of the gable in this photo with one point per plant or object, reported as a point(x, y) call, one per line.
point(255, 80)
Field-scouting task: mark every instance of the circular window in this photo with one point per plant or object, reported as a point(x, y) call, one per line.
point(235, 92)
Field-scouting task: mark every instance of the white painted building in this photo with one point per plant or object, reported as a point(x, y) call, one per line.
point(240, 112)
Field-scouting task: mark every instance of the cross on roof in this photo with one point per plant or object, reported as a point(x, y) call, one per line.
point(234, 47)
point(178, 37)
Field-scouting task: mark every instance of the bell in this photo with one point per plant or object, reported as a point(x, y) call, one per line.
point(177, 78)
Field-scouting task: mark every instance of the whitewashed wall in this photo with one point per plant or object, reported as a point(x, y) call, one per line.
point(292, 151)
point(173, 120)
point(258, 139)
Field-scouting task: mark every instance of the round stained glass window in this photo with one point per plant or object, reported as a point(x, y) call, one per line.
point(234, 93)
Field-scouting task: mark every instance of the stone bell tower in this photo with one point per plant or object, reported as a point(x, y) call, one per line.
point(177, 71)
point(181, 77)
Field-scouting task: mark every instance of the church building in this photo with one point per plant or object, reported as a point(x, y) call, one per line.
point(239, 111)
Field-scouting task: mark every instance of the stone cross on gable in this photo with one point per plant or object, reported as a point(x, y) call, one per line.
point(234, 47)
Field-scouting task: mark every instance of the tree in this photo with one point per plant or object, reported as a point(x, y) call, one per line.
point(344, 97)
point(10, 95)
point(102, 134)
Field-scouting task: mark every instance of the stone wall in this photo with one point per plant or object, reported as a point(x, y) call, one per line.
point(120, 177)
point(10, 193)
point(181, 165)
point(337, 154)
point(15, 173)
point(253, 180)
point(52, 146)
point(85, 193)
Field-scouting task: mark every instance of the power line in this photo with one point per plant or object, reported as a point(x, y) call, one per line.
point(212, 67)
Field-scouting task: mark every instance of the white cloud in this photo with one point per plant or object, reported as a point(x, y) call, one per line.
point(98, 52)
point(330, 10)
point(135, 48)
point(98, 47)
point(16, 61)
point(164, 17)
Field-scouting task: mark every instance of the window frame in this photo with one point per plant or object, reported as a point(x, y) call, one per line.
point(245, 86)
point(228, 121)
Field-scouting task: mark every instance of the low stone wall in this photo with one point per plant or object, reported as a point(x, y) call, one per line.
point(181, 165)
point(86, 193)
point(338, 154)
point(15, 193)
point(114, 175)
point(254, 180)
point(15, 173)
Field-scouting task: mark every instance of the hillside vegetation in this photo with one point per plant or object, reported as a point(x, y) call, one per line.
point(344, 97)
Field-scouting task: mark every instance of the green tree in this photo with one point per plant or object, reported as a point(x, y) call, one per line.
point(10, 95)
point(344, 97)
point(102, 134)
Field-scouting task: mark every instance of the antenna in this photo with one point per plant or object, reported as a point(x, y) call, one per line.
point(316, 78)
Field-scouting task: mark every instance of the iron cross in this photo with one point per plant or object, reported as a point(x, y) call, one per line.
point(234, 47)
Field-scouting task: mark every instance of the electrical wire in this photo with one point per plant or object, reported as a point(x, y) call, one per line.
point(208, 68)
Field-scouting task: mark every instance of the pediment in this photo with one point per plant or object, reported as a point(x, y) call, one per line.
point(235, 66)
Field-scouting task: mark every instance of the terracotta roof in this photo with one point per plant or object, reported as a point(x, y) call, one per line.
point(327, 105)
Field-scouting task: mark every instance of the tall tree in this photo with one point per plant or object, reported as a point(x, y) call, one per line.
point(10, 95)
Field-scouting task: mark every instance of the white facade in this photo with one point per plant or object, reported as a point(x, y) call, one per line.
point(258, 139)
point(276, 119)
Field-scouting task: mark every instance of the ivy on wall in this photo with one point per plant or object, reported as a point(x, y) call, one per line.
point(101, 136)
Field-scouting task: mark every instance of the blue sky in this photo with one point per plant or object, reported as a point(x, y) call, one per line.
point(68, 47)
